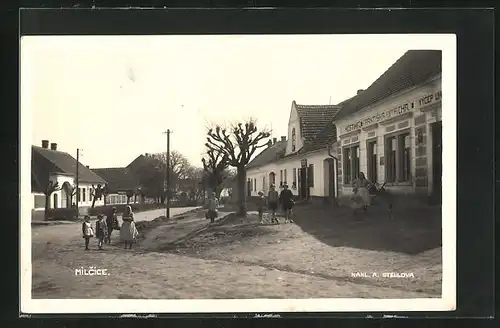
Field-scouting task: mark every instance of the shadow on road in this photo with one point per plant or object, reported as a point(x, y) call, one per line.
point(410, 231)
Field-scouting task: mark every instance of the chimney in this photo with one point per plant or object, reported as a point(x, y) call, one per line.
point(359, 91)
point(45, 144)
point(274, 140)
point(269, 143)
point(87, 166)
point(53, 146)
point(283, 138)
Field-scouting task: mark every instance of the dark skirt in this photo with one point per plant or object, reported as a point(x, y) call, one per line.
point(287, 205)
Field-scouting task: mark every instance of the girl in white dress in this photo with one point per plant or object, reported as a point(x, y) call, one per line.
point(87, 231)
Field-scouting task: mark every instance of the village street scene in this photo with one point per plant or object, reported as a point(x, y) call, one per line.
point(336, 196)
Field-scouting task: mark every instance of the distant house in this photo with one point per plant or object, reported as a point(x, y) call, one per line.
point(302, 160)
point(50, 164)
point(120, 181)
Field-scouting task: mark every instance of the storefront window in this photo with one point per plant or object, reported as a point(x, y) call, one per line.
point(351, 163)
point(398, 161)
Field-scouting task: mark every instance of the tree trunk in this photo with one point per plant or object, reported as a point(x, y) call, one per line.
point(47, 206)
point(93, 201)
point(241, 178)
point(104, 196)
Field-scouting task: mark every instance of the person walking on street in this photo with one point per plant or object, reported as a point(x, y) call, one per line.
point(261, 203)
point(272, 201)
point(101, 230)
point(112, 224)
point(128, 231)
point(287, 202)
point(87, 231)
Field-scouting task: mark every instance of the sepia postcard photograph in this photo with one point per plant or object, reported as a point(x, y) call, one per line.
point(238, 173)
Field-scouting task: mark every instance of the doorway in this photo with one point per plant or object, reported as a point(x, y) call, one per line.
point(56, 202)
point(437, 160)
point(249, 188)
point(303, 190)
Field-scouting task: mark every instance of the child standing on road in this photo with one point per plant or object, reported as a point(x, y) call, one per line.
point(261, 203)
point(101, 230)
point(87, 231)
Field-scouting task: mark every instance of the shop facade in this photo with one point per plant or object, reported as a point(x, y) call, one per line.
point(396, 140)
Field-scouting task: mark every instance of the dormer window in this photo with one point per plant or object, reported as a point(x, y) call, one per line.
point(293, 139)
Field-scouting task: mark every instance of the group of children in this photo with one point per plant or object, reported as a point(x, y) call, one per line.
point(285, 198)
point(104, 228)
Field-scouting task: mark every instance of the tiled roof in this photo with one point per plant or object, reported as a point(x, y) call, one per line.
point(268, 155)
point(118, 178)
point(138, 163)
point(325, 137)
point(313, 118)
point(46, 161)
point(413, 68)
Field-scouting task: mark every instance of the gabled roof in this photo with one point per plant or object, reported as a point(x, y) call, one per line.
point(46, 161)
point(323, 139)
point(118, 178)
point(314, 118)
point(138, 163)
point(413, 68)
point(268, 155)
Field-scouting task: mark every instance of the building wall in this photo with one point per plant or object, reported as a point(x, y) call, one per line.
point(61, 195)
point(317, 159)
point(38, 201)
point(294, 122)
point(413, 110)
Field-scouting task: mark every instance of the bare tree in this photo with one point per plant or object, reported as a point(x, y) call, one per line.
point(214, 166)
point(49, 190)
point(98, 192)
point(179, 166)
point(239, 145)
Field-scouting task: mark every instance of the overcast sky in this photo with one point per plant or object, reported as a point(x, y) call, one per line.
point(113, 96)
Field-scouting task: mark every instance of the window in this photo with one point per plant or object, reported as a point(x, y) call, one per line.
point(281, 177)
point(371, 157)
point(404, 141)
point(310, 175)
point(351, 163)
point(293, 139)
point(91, 192)
point(254, 184)
point(78, 195)
point(294, 178)
point(84, 192)
point(285, 176)
point(398, 158)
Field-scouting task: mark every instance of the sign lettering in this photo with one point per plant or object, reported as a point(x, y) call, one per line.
point(393, 112)
point(429, 99)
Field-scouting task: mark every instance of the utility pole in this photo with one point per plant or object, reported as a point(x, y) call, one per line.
point(167, 207)
point(77, 186)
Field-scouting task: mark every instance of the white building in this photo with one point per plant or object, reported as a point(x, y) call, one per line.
point(302, 159)
point(49, 164)
point(392, 130)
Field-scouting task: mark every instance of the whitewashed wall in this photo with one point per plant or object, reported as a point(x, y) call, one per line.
point(317, 159)
point(411, 95)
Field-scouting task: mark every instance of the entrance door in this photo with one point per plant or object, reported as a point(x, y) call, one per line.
point(437, 164)
point(303, 183)
point(56, 201)
point(249, 188)
point(371, 156)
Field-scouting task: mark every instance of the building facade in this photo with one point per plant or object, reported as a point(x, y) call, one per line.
point(392, 131)
point(52, 165)
point(303, 160)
